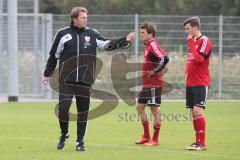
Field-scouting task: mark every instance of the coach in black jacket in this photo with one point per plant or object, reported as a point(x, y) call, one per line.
point(75, 47)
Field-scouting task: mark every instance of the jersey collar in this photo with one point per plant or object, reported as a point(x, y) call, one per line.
point(199, 37)
point(146, 43)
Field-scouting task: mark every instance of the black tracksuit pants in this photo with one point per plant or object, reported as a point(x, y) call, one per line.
point(81, 91)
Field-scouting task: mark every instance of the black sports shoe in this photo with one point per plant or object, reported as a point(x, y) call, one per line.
point(80, 147)
point(62, 140)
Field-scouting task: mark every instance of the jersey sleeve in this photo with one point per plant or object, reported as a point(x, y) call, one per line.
point(156, 50)
point(160, 57)
point(206, 47)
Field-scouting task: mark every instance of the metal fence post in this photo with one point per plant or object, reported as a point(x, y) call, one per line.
point(220, 56)
point(1, 46)
point(13, 84)
point(36, 78)
point(136, 22)
point(48, 42)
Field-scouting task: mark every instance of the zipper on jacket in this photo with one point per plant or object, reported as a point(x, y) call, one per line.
point(77, 57)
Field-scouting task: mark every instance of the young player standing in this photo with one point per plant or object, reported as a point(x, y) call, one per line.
point(155, 60)
point(197, 78)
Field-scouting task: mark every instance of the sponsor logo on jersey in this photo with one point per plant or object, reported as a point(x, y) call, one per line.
point(190, 56)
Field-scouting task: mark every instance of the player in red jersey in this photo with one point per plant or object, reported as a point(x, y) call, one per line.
point(197, 78)
point(155, 60)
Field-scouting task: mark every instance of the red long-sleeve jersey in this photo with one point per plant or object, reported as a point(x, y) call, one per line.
point(197, 64)
point(152, 56)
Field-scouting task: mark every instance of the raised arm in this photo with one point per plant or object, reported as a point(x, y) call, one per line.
point(201, 54)
point(108, 44)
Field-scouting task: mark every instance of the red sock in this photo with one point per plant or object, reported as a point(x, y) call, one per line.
point(201, 128)
point(156, 132)
point(196, 130)
point(146, 129)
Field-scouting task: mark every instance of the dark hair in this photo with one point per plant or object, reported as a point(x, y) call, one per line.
point(75, 12)
point(193, 21)
point(150, 28)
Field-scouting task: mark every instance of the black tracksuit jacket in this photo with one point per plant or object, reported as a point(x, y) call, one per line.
point(76, 50)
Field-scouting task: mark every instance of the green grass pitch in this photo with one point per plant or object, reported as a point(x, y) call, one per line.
point(29, 131)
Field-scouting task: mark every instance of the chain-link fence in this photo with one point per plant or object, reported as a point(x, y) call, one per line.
point(224, 66)
point(31, 48)
point(223, 31)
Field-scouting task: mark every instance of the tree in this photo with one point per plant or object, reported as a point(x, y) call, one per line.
point(160, 7)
